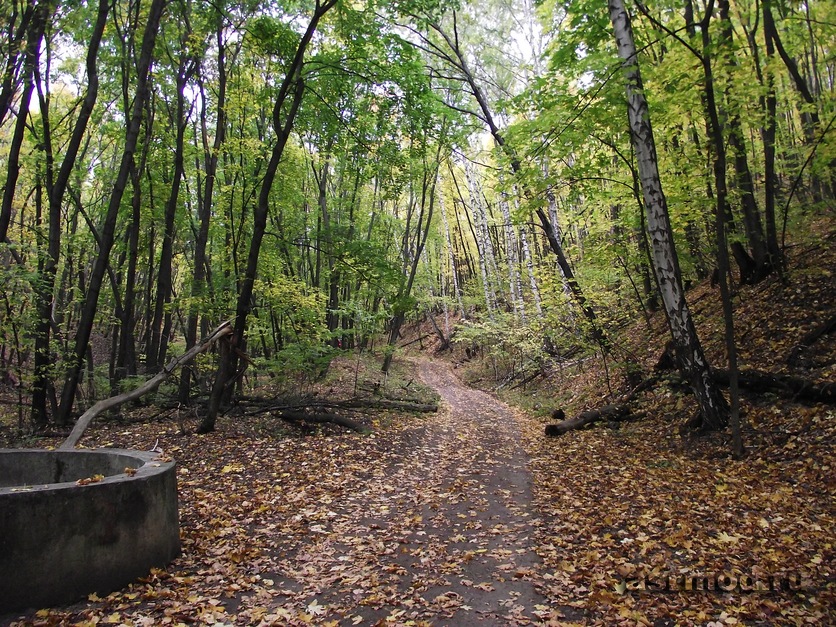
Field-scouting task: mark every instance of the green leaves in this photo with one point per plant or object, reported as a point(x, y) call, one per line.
point(273, 36)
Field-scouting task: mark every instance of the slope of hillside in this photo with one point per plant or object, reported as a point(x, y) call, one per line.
point(644, 505)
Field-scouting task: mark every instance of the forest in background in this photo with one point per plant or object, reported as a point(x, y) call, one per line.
point(317, 172)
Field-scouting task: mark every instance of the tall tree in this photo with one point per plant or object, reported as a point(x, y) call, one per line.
point(207, 198)
point(186, 65)
point(690, 356)
point(56, 188)
point(91, 302)
point(284, 115)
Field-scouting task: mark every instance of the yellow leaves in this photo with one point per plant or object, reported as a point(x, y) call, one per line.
point(232, 468)
point(89, 480)
point(725, 537)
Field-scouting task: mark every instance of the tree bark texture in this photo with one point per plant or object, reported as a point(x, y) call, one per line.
point(85, 325)
point(690, 356)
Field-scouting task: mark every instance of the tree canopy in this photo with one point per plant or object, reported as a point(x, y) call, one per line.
point(320, 171)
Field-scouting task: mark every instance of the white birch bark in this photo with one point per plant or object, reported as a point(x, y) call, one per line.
point(529, 266)
point(451, 257)
point(484, 246)
point(692, 361)
point(514, 279)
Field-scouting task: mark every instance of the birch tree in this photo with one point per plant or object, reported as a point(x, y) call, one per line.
point(714, 410)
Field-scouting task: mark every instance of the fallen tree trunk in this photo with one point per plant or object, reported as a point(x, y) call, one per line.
point(383, 403)
point(149, 386)
point(608, 412)
point(527, 380)
point(788, 386)
point(352, 403)
point(300, 416)
point(810, 338)
point(417, 339)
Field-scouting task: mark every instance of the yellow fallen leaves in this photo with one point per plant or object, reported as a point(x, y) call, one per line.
point(89, 480)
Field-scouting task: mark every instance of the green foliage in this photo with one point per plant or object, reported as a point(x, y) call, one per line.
point(273, 36)
point(510, 346)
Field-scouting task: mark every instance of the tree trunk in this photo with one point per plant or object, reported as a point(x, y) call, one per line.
point(776, 255)
point(292, 89)
point(752, 224)
point(529, 267)
point(158, 344)
point(45, 291)
point(16, 34)
point(34, 35)
point(451, 255)
point(722, 250)
point(85, 325)
point(512, 260)
point(692, 361)
point(210, 160)
point(607, 412)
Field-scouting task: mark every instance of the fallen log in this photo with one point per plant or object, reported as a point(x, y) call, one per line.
point(417, 339)
point(608, 412)
point(527, 380)
point(787, 386)
point(381, 403)
point(810, 338)
point(265, 405)
point(149, 386)
point(321, 418)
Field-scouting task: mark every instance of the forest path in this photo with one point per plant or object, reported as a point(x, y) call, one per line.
point(444, 535)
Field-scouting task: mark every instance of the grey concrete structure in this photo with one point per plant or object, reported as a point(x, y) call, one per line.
point(62, 537)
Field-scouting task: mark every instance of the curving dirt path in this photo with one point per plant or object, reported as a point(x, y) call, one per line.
point(442, 535)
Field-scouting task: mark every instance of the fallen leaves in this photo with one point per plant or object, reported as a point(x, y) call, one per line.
point(89, 480)
point(420, 523)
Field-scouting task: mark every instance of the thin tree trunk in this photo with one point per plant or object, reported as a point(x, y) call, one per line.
point(45, 291)
point(692, 361)
point(768, 133)
point(158, 344)
point(292, 89)
point(742, 258)
point(511, 257)
point(751, 215)
point(451, 255)
point(529, 266)
point(722, 250)
point(91, 302)
point(205, 212)
point(16, 33)
point(487, 258)
point(34, 37)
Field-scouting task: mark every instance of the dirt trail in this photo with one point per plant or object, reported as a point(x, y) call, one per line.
point(443, 535)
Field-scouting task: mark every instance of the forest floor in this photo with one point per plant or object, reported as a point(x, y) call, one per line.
point(471, 516)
